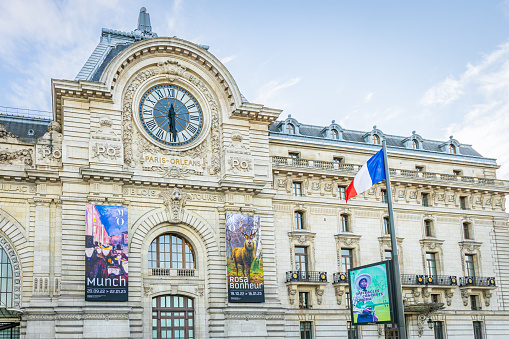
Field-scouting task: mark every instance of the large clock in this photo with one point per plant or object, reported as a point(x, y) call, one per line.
point(171, 115)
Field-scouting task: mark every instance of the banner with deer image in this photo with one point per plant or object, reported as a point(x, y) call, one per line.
point(244, 258)
point(106, 253)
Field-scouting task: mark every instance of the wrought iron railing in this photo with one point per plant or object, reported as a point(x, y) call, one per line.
point(420, 279)
point(340, 278)
point(27, 113)
point(478, 281)
point(306, 276)
point(334, 166)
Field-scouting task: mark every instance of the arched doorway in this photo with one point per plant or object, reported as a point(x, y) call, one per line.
point(172, 317)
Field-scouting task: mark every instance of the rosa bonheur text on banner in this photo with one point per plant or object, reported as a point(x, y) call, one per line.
point(244, 258)
point(106, 253)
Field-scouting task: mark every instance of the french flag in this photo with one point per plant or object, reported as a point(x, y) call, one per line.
point(372, 172)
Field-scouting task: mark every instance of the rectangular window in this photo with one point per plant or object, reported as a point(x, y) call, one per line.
point(345, 226)
point(387, 255)
point(466, 230)
point(419, 168)
point(346, 259)
point(352, 331)
point(429, 229)
point(347, 296)
point(478, 330)
point(305, 330)
point(341, 192)
point(435, 298)
point(304, 300)
point(474, 303)
point(391, 331)
point(383, 194)
point(298, 220)
point(470, 265)
point(439, 329)
point(387, 225)
point(463, 203)
point(297, 189)
point(425, 199)
point(431, 263)
point(301, 258)
point(456, 172)
point(293, 155)
point(338, 160)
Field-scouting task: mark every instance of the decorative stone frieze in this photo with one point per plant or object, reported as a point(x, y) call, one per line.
point(22, 157)
point(175, 201)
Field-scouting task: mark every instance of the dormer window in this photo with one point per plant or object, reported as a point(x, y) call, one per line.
point(415, 144)
point(335, 134)
point(376, 139)
point(291, 129)
point(452, 149)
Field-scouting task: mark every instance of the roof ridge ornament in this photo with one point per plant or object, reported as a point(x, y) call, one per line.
point(144, 21)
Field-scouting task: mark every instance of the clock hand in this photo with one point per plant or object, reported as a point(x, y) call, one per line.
point(172, 123)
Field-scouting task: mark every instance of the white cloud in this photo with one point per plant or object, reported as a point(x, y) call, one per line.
point(444, 93)
point(368, 97)
point(270, 89)
point(227, 59)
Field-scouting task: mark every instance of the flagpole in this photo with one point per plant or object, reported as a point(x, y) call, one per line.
point(396, 277)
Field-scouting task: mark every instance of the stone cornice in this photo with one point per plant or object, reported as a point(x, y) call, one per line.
point(256, 112)
point(42, 175)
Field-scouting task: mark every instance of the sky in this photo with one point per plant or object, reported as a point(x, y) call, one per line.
point(439, 68)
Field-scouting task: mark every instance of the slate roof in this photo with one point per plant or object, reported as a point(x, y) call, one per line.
point(27, 129)
point(311, 131)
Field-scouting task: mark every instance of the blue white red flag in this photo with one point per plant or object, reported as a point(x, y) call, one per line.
point(372, 172)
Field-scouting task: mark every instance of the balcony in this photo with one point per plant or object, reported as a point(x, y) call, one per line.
point(172, 272)
point(340, 278)
point(281, 162)
point(478, 282)
point(306, 276)
point(302, 280)
point(436, 280)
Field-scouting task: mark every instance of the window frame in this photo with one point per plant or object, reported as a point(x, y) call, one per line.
point(386, 225)
point(376, 139)
point(304, 300)
point(297, 188)
point(463, 203)
point(428, 228)
point(425, 199)
point(303, 329)
point(470, 265)
point(294, 155)
point(342, 192)
point(347, 261)
point(298, 220)
point(157, 253)
point(290, 128)
point(304, 260)
point(334, 134)
point(438, 329)
point(415, 144)
point(434, 267)
point(189, 314)
point(345, 223)
point(467, 231)
point(384, 197)
point(478, 329)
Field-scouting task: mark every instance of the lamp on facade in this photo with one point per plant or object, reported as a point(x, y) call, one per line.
point(430, 323)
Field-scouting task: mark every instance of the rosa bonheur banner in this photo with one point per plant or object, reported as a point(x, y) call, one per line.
point(106, 253)
point(370, 294)
point(244, 258)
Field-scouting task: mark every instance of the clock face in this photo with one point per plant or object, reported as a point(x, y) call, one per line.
point(171, 115)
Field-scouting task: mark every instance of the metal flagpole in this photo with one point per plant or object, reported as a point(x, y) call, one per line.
point(396, 277)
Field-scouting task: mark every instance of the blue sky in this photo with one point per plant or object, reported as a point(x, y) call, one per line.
point(437, 67)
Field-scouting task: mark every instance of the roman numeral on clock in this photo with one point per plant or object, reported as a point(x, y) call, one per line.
point(194, 117)
point(160, 134)
point(151, 124)
point(159, 93)
point(192, 128)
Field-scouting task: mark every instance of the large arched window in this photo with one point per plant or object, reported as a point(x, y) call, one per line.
point(171, 251)
point(5, 279)
point(172, 317)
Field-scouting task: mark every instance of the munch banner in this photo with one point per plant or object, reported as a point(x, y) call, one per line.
point(106, 253)
point(244, 258)
point(370, 294)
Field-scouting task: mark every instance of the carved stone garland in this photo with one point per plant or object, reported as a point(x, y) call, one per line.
point(16, 270)
point(172, 69)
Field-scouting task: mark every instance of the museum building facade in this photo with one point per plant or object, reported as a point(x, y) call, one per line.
point(158, 126)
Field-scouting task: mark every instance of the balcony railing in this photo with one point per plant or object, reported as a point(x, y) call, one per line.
point(340, 278)
point(478, 281)
point(306, 276)
point(334, 166)
point(27, 113)
point(437, 280)
point(172, 272)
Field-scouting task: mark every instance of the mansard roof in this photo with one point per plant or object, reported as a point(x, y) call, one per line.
point(312, 132)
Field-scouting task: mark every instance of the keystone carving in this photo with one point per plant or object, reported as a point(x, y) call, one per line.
point(175, 201)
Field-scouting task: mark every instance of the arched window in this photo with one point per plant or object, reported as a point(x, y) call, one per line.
point(376, 139)
point(452, 149)
point(335, 134)
point(5, 279)
point(172, 317)
point(291, 129)
point(171, 251)
point(415, 144)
